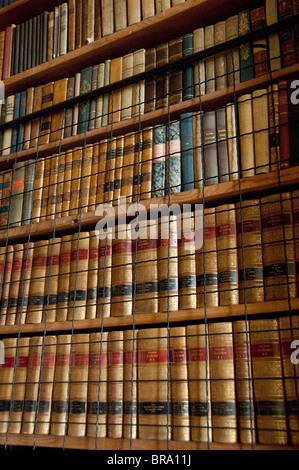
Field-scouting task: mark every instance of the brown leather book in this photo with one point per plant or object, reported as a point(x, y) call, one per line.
point(72, 25)
point(107, 17)
point(47, 100)
point(120, 17)
point(161, 80)
point(78, 37)
point(88, 13)
point(29, 109)
point(59, 95)
point(50, 35)
point(150, 83)
point(175, 76)
point(115, 98)
point(35, 125)
point(97, 21)
point(148, 8)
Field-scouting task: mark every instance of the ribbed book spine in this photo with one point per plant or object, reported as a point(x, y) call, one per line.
point(84, 107)
point(78, 276)
point(284, 133)
point(92, 281)
point(6, 381)
point(220, 58)
point(188, 76)
point(222, 374)
point(222, 147)
point(67, 183)
point(199, 68)
point(274, 143)
point(115, 384)
point(173, 158)
point(86, 177)
point(138, 89)
point(146, 165)
point(246, 51)
point(47, 100)
point(246, 135)
point(274, 43)
point(210, 60)
point(197, 123)
point(37, 282)
point(7, 266)
point(46, 189)
point(287, 37)
point(122, 273)
point(159, 149)
point(114, 108)
point(15, 284)
point(128, 169)
point(76, 181)
point(168, 264)
point(105, 274)
point(175, 76)
point(59, 94)
point(38, 190)
point(64, 277)
point(53, 188)
point(261, 130)
point(126, 92)
point(187, 151)
point(258, 22)
point(187, 266)
point(150, 83)
point(162, 85)
point(52, 280)
point(25, 283)
point(17, 195)
point(130, 384)
point(210, 148)
point(233, 55)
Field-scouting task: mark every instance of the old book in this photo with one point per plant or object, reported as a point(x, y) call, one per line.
point(76, 107)
point(6, 279)
point(173, 158)
point(232, 55)
point(12, 304)
point(76, 181)
point(64, 277)
point(162, 82)
point(29, 110)
point(7, 134)
point(126, 92)
point(93, 179)
point(68, 121)
point(7, 381)
point(100, 150)
point(63, 29)
point(246, 135)
point(97, 21)
point(67, 183)
point(148, 8)
point(175, 47)
point(21, 129)
point(53, 188)
point(97, 395)
point(115, 96)
point(199, 383)
point(7, 66)
point(260, 56)
point(278, 246)
point(199, 66)
point(107, 10)
point(84, 107)
point(146, 280)
point(137, 166)
point(179, 384)
point(16, 115)
point(284, 132)
point(261, 130)
point(105, 274)
point(210, 148)
point(220, 58)
point(154, 392)
point(57, 121)
point(287, 36)
point(222, 376)
point(59, 412)
point(93, 102)
point(226, 238)
point(92, 280)
point(222, 147)
point(78, 276)
point(159, 149)
point(110, 170)
point(37, 283)
point(274, 42)
point(134, 12)
point(246, 51)
point(46, 187)
point(106, 96)
point(118, 168)
point(138, 91)
point(78, 385)
point(130, 384)
point(2, 46)
point(146, 164)
point(19, 386)
point(250, 251)
point(17, 195)
point(99, 100)
point(244, 388)
point(210, 60)
point(115, 384)
point(51, 280)
point(197, 125)
point(293, 127)
point(188, 76)
point(6, 198)
point(268, 381)
point(206, 261)
point(288, 332)
point(186, 261)
point(120, 17)
point(32, 385)
point(274, 144)
point(71, 25)
point(168, 264)
point(47, 100)
point(86, 176)
point(122, 273)
point(29, 180)
point(25, 283)
point(187, 157)
point(79, 26)
point(128, 169)
point(88, 21)
point(38, 189)
point(150, 83)
point(36, 123)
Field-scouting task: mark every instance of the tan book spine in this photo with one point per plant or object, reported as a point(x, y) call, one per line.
point(50, 35)
point(88, 22)
point(289, 332)
point(199, 68)
point(138, 90)
point(6, 279)
point(53, 188)
point(226, 239)
point(64, 277)
point(127, 91)
point(76, 107)
point(268, 382)
point(222, 373)
point(246, 135)
point(110, 171)
point(187, 267)
point(59, 411)
point(32, 385)
point(5, 200)
point(134, 11)
point(122, 273)
point(100, 99)
point(72, 25)
point(15, 284)
point(76, 179)
point(150, 83)
point(162, 5)
point(162, 82)
point(57, 119)
point(233, 55)
point(273, 126)
point(105, 274)
point(97, 385)
point(78, 386)
point(52, 280)
point(250, 251)
point(115, 384)
point(120, 16)
point(232, 141)
point(78, 276)
point(179, 384)
point(115, 96)
point(137, 166)
point(130, 385)
point(101, 150)
point(36, 123)
point(244, 388)
point(67, 183)
point(38, 189)
point(154, 391)
point(220, 58)
point(168, 264)
point(277, 236)
point(199, 383)
point(148, 8)
point(206, 262)
point(7, 381)
point(37, 282)
point(60, 192)
point(92, 281)
point(118, 169)
point(29, 110)
point(274, 43)
point(93, 179)
point(107, 17)
point(63, 10)
point(210, 61)
point(87, 158)
point(25, 283)
point(261, 130)
point(19, 386)
point(79, 26)
point(47, 100)
point(147, 293)
point(128, 169)
point(45, 190)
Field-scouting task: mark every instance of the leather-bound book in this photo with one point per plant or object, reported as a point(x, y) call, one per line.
point(53, 188)
point(88, 21)
point(260, 56)
point(36, 123)
point(46, 187)
point(284, 132)
point(25, 283)
point(79, 26)
point(6, 195)
point(29, 110)
point(168, 264)
point(87, 159)
point(199, 66)
point(210, 148)
point(93, 102)
point(106, 96)
point(15, 282)
point(287, 36)
point(52, 280)
point(105, 274)
point(150, 83)
point(76, 181)
point(67, 183)
point(130, 384)
point(107, 10)
point(162, 82)
point(146, 165)
point(274, 42)
point(175, 47)
point(101, 150)
point(84, 107)
point(78, 276)
point(115, 96)
point(173, 177)
point(138, 91)
point(197, 124)
point(261, 130)
point(60, 184)
point(37, 283)
point(134, 11)
point(72, 25)
point(126, 92)
point(246, 51)
point(7, 134)
point(6, 279)
point(6, 71)
point(28, 191)
point(148, 8)
point(187, 267)
point(6, 381)
point(118, 168)
point(76, 106)
point(128, 169)
point(2, 45)
point(59, 95)
point(232, 55)
point(222, 145)
point(17, 195)
point(47, 100)
point(246, 135)
point(99, 99)
point(68, 121)
point(188, 76)
point(274, 143)
point(63, 9)
point(64, 278)
point(97, 21)
point(210, 60)
point(120, 17)
point(220, 58)
point(110, 170)
point(159, 149)
point(92, 279)
point(115, 384)
point(187, 151)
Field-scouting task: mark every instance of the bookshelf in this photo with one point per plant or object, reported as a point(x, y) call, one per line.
point(178, 20)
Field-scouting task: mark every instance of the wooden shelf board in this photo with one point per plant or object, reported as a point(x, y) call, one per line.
point(159, 116)
point(254, 186)
point(88, 443)
point(149, 319)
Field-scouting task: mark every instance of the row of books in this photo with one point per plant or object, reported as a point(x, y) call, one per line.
point(220, 382)
point(68, 27)
point(171, 266)
point(5, 3)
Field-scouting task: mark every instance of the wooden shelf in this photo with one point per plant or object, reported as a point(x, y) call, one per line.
point(217, 194)
point(182, 316)
point(160, 116)
point(172, 23)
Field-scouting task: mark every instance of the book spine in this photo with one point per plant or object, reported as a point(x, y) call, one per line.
point(50, 36)
point(25, 283)
point(15, 284)
point(37, 284)
point(120, 19)
point(138, 91)
point(261, 130)
point(122, 273)
point(197, 125)
point(148, 8)
point(52, 191)
point(293, 127)
point(199, 68)
point(36, 123)
point(118, 168)
point(98, 21)
point(92, 282)
point(78, 276)
point(71, 25)
point(28, 192)
point(115, 97)
point(284, 133)
point(6, 381)
point(6, 195)
point(17, 195)
point(115, 384)
point(78, 385)
point(220, 58)
point(130, 384)
point(7, 266)
point(274, 42)
point(287, 38)
point(187, 151)
point(274, 137)
point(84, 107)
point(176, 76)
point(60, 184)
point(2, 47)
point(222, 374)
point(93, 103)
point(106, 96)
point(162, 85)
point(150, 83)
point(46, 187)
point(222, 147)
point(260, 56)
point(246, 135)
point(100, 101)
point(267, 382)
point(159, 148)
point(233, 55)
point(88, 22)
point(187, 267)
point(210, 148)
point(126, 92)
point(188, 77)
point(232, 141)
point(27, 126)
point(134, 12)
point(86, 178)
point(78, 23)
point(7, 134)
point(105, 274)
point(146, 166)
point(246, 51)
point(47, 100)
point(64, 277)
point(295, 205)
point(128, 169)
point(110, 170)
point(6, 53)
point(210, 60)
point(76, 180)
point(173, 158)
point(52, 280)
point(67, 183)
point(59, 95)
point(107, 10)
point(137, 166)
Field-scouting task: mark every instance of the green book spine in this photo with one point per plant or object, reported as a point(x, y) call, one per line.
point(246, 51)
point(187, 152)
point(188, 73)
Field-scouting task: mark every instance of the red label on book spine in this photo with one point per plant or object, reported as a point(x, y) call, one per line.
point(221, 353)
point(147, 357)
point(197, 354)
point(265, 350)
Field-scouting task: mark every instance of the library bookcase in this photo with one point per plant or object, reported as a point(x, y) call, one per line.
point(207, 334)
